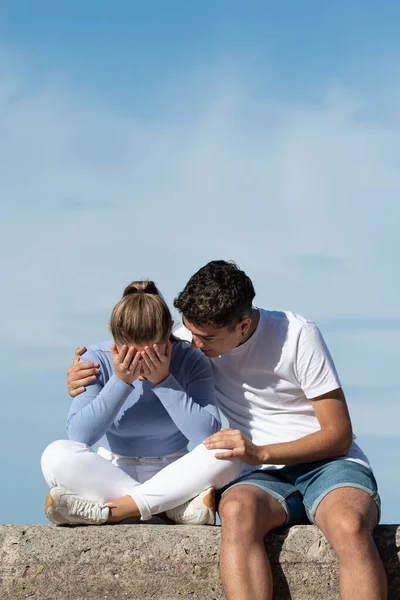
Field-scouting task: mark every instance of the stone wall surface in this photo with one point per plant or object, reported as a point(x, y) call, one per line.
point(164, 562)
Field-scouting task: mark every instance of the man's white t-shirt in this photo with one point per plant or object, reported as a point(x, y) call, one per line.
point(264, 387)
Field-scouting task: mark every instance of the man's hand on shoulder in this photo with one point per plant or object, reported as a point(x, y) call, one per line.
point(80, 374)
point(236, 444)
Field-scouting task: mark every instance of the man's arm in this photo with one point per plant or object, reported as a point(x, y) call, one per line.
point(332, 440)
point(93, 411)
point(81, 374)
point(319, 381)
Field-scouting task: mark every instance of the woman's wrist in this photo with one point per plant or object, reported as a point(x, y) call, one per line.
point(158, 381)
point(121, 378)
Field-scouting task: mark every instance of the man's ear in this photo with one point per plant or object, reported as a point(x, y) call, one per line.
point(109, 326)
point(244, 325)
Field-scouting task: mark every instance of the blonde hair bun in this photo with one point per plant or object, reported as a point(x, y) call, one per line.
point(141, 287)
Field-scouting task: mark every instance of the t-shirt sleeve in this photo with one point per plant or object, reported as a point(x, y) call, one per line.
point(316, 371)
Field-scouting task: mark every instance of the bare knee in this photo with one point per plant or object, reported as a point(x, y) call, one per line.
point(244, 515)
point(348, 533)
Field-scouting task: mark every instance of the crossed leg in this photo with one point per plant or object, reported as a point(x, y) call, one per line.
point(76, 467)
point(247, 515)
point(347, 518)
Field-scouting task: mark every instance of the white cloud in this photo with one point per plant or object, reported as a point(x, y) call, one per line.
point(302, 197)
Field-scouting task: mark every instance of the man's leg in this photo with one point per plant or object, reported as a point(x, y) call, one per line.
point(247, 514)
point(347, 517)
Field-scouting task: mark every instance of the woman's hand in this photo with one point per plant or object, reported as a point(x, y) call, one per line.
point(126, 362)
point(155, 364)
point(237, 444)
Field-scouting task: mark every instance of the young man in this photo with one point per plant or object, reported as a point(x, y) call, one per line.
point(277, 385)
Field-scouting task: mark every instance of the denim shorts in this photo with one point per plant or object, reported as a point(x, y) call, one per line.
point(300, 488)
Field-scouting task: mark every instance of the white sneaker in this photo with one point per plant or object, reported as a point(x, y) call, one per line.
point(64, 507)
point(198, 511)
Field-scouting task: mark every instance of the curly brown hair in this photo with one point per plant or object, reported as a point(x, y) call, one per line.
point(218, 295)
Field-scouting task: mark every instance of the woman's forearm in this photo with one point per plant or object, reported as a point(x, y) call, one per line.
point(196, 421)
point(89, 423)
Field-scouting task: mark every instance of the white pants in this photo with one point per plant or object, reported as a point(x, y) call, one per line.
point(156, 484)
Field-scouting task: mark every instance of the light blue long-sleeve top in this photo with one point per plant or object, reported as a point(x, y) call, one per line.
point(142, 419)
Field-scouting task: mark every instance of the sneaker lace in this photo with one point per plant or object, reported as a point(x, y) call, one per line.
point(87, 509)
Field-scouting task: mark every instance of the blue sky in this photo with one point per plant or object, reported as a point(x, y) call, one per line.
point(144, 139)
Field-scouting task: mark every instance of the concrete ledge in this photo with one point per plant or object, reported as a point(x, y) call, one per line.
point(164, 562)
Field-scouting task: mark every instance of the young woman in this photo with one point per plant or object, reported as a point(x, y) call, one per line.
point(153, 394)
